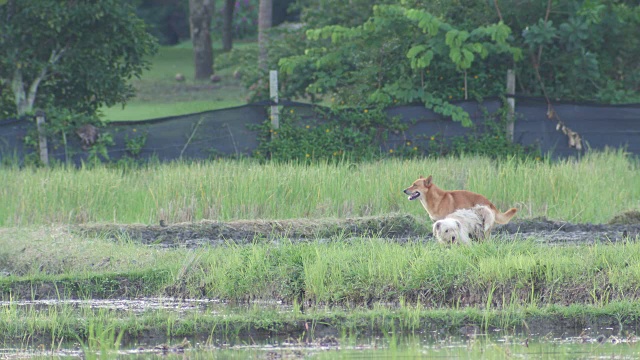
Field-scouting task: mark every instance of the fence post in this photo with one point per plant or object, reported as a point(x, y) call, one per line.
point(42, 137)
point(511, 102)
point(273, 95)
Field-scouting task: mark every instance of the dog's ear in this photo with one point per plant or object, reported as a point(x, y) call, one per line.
point(427, 181)
point(436, 228)
point(458, 225)
point(421, 177)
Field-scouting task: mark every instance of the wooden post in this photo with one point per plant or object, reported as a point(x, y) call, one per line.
point(511, 102)
point(42, 137)
point(273, 95)
point(466, 90)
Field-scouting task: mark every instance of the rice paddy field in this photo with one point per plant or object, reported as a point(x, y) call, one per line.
point(241, 259)
point(95, 262)
point(592, 189)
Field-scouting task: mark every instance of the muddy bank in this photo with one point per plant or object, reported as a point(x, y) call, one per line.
point(558, 232)
point(394, 227)
point(247, 231)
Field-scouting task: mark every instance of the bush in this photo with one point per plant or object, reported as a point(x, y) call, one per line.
point(359, 134)
point(340, 133)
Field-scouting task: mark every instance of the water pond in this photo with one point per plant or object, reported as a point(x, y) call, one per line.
point(494, 346)
point(465, 343)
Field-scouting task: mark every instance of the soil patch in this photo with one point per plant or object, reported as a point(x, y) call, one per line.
point(558, 232)
point(395, 227)
point(629, 217)
point(247, 231)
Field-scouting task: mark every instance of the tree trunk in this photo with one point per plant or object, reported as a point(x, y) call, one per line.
point(25, 99)
point(19, 95)
point(200, 20)
point(265, 13)
point(227, 26)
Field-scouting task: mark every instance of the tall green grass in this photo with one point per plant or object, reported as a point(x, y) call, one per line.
point(592, 189)
point(495, 283)
point(495, 274)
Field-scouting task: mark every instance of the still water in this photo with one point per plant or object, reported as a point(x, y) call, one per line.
point(394, 346)
point(464, 343)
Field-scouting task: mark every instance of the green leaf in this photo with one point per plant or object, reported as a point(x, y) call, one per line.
point(415, 51)
point(456, 56)
point(427, 22)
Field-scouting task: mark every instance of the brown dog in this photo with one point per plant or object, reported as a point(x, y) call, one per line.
point(440, 203)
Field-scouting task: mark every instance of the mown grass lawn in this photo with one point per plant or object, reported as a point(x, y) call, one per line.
point(160, 95)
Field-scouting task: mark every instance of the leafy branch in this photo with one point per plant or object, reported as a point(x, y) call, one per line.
point(362, 64)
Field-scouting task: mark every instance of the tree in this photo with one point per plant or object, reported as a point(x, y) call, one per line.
point(75, 55)
point(439, 51)
point(265, 13)
point(320, 13)
point(401, 55)
point(227, 25)
point(200, 12)
point(573, 49)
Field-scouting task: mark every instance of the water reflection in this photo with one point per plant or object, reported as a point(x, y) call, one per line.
point(467, 342)
point(429, 345)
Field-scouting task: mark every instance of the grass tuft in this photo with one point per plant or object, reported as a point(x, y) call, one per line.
point(594, 189)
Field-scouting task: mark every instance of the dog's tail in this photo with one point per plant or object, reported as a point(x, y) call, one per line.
point(505, 217)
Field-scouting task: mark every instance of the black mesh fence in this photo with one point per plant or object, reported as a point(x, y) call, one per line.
point(231, 131)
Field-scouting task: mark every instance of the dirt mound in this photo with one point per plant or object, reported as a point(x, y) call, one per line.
point(245, 231)
point(397, 227)
point(565, 232)
point(629, 217)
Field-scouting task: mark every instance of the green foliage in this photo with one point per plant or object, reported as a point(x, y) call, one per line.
point(390, 58)
point(540, 34)
point(434, 52)
point(7, 103)
point(585, 50)
point(489, 139)
point(284, 42)
point(134, 145)
point(354, 134)
point(360, 134)
point(130, 159)
point(320, 13)
point(60, 128)
point(87, 51)
point(242, 61)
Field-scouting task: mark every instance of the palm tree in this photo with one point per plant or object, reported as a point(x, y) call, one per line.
point(227, 28)
point(265, 13)
point(200, 12)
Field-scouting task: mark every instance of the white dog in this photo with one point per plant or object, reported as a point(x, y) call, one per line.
point(463, 225)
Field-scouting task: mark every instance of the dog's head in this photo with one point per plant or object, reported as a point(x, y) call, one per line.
point(419, 188)
point(447, 231)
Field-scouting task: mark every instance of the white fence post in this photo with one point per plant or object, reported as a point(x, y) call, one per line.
point(273, 95)
point(511, 102)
